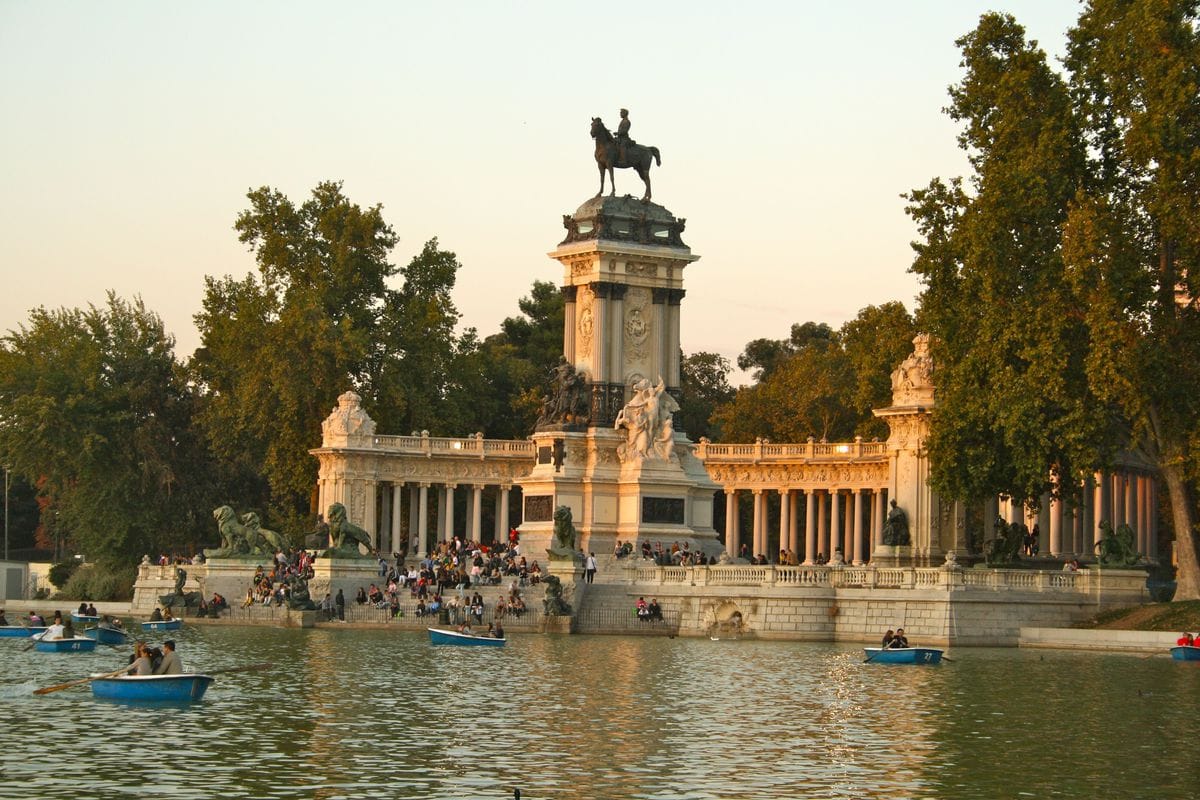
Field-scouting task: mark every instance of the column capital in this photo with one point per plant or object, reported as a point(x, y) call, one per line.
point(675, 296)
point(659, 296)
point(569, 293)
point(618, 291)
point(602, 288)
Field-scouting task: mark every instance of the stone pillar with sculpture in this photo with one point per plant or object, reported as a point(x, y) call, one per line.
point(921, 528)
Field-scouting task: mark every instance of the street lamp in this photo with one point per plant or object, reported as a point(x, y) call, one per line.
point(6, 512)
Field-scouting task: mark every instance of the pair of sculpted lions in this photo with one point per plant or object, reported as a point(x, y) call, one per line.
point(245, 536)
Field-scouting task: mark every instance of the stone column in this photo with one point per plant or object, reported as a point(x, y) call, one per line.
point(758, 526)
point(848, 526)
point(1087, 519)
point(397, 494)
point(370, 523)
point(661, 317)
point(810, 527)
point(835, 523)
point(1103, 504)
point(500, 528)
point(476, 513)
point(794, 524)
point(568, 293)
point(877, 520)
point(785, 507)
point(1143, 517)
point(731, 523)
point(1153, 549)
point(600, 326)
point(423, 518)
point(1056, 525)
point(448, 515)
point(1131, 498)
point(821, 496)
point(1118, 500)
point(616, 370)
point(674, 298)
point(859, 555)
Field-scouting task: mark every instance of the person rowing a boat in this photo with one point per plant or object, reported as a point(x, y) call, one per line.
point(887, 639)
point(55, 631)
point(3, 619)
point(141, 664)
point(1187, 640)
point(899, 640)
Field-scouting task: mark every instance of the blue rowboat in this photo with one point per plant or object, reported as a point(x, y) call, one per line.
point(163, 625)
point(1185, 652)
point(152, 688)
point(903, 655)
point(77, 617)
point(107, 635)
point(437, 636)
point(77, 644)
point(12, 631)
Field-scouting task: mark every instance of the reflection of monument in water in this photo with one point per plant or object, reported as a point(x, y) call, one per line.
point(607, 444)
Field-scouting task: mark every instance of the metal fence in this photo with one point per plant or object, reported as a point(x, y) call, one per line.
point(626, 621)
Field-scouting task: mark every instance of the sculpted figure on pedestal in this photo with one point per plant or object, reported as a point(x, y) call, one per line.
point(348, 419)
point(622, 154)
point(563, 547)
point(346, 535)
point(912, 381)
point(567, 401)
point(895, 528)
point(648, 420)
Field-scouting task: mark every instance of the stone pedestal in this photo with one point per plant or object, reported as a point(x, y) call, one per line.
point(230, 577)
point(347, 574)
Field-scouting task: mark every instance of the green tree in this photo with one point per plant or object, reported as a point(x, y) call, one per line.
point(95, 411)
point(705, 386)
point(1133, 236)
point(875, 342)
point(277, 349)
point(1014, 406)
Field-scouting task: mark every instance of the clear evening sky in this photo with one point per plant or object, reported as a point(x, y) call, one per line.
point(132, 131)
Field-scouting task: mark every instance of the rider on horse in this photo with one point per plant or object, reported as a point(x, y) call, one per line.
point(623, 137)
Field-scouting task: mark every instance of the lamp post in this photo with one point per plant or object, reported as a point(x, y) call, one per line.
point(6, 512)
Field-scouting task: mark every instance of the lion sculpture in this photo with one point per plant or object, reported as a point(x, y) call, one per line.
point(346, 535)
point(245, 537)
point(563, 547)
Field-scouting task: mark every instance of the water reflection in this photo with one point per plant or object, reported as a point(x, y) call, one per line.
point(350, 714)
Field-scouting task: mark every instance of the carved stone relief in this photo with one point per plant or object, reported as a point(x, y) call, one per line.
point(584, 301)
point(637, 323)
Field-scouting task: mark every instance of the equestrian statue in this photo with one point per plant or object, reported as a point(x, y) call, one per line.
point(621, 152)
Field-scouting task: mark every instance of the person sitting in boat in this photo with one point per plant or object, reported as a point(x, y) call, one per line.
point(83, 609)
point(35, 620)
point(68, 629)
point(156, 615)
point(91, 610)
point(466, 629)
point(1186, 640)
point(887, 639)
point(3, 619)
point(899, 640)
point(140, 660)
point(498, 631)
point(170, 663)
point(167, 616)
point(56, 631)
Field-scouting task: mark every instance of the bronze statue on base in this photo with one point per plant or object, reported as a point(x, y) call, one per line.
point(622, 153)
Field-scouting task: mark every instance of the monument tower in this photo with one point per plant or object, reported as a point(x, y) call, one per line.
point(607, 442)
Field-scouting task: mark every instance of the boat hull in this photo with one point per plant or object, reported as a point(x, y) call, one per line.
point(18, 631)
point(79, 644)
point(107, 635)
point(903, 655)
point(455, 638)
point(1185, 653)
point(88, 618)
point(183, 688)
point(163, 625)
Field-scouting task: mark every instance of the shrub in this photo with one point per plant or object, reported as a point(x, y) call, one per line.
point(94, 583)
point(61, 572)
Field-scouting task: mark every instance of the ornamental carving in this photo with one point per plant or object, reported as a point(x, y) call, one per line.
point(869, 475)
point(646, 270)
point(637, 322)
point(912, 381)
point(580, 268)
point(584, 327)
point(347, 419)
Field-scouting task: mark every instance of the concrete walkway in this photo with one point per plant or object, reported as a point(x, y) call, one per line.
point(1113, 641)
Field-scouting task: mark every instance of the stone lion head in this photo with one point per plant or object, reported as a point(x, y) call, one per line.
point(337, 513)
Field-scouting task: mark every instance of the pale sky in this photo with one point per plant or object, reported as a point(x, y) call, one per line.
point(132, 131)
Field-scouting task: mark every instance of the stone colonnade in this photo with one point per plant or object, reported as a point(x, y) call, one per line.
point(834, 521)
point(1127, 495)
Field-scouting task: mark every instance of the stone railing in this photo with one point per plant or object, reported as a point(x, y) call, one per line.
point(1087, 581)
point(762, 450)
point(476, 445)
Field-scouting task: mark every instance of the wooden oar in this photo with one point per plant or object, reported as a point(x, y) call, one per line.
point(89, 679)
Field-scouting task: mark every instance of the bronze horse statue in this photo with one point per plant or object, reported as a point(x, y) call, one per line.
point(608, 152)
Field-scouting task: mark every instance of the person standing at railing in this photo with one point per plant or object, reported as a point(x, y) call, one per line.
point(589, 568)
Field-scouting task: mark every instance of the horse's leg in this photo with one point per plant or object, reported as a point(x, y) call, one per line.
point(601, 166)
point(612, 182)
point(644, 172)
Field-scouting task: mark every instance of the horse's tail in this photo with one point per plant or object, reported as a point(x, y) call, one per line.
point(657, 157)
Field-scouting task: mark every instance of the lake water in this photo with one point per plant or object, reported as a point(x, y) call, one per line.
point(379, 714)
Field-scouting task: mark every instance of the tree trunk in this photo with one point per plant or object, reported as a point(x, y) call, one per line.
point(1188, 576)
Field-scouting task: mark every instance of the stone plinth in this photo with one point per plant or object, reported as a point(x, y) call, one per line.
point(347, 574)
